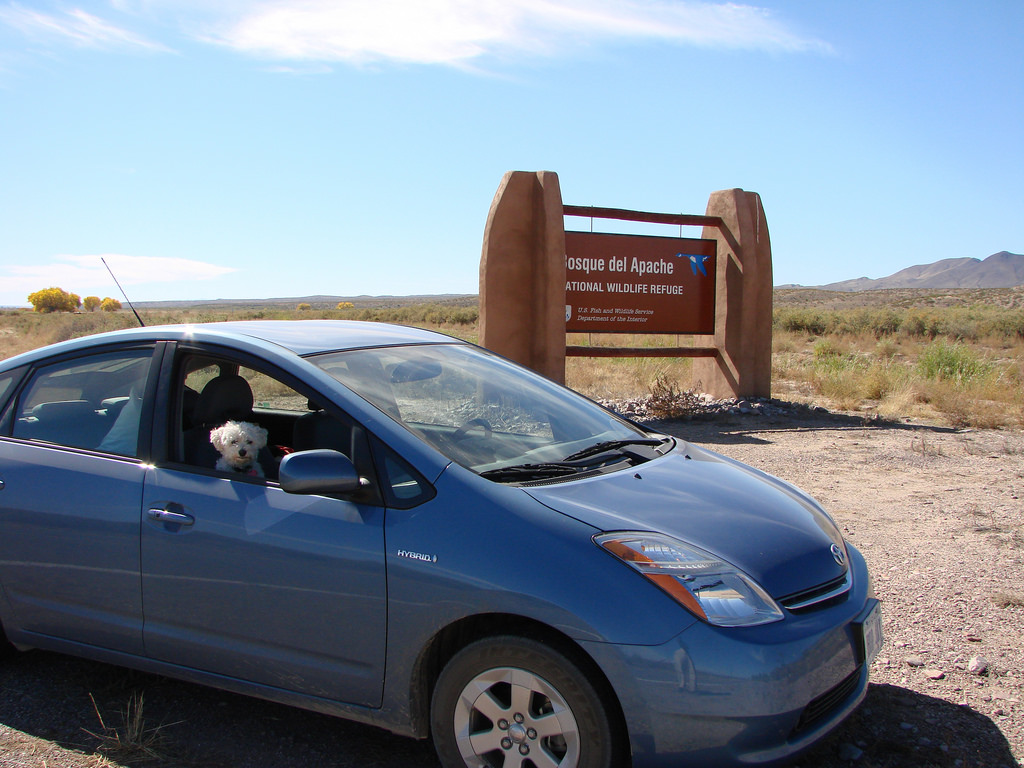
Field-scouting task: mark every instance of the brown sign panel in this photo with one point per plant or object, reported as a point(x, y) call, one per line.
point(639, 284)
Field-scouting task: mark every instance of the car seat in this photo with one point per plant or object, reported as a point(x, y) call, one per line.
point(225, 398)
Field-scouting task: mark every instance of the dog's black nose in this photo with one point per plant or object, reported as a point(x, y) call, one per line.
point(241, 451)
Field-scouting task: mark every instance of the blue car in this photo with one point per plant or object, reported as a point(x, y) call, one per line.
point(433, 540)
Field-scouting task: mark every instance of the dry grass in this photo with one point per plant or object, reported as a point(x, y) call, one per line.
point(131, 738)
point(605, 378)
point(21, 331)
point(955, 357)
point(615, 378)
point(961, 383)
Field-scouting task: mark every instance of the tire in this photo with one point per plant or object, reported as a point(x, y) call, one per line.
point(511, 702)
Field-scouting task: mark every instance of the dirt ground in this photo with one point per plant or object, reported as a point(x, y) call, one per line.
point(937, 512)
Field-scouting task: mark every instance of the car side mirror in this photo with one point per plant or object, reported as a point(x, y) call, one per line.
point(319, 471)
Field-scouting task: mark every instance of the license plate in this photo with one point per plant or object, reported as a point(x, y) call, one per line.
point(871, 633)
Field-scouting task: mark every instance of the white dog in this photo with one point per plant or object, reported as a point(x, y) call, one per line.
point(239, 443)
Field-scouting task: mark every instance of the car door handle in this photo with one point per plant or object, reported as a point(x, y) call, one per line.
point(167, 516)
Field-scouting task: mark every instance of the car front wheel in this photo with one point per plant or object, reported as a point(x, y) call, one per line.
point(511, 701)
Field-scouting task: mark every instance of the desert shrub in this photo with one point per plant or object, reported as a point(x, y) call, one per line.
point(465, 316)
point(304, 306)
point(827, 352)
point(876, 322)
point(954, 323)
point(843, 390)
point(881, 379)
point(935, 358)
point(886, 350)
point(916, 325)
point(810, 321)
point(419, 314)
point(838, 374)
point(951, 401)
point(886, 321)
point(1009, 325)
point(669, 402)
point(961, 326)
point(955, 362)
point(903, 399)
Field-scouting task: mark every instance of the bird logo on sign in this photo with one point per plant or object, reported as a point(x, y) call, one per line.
point(696, 262)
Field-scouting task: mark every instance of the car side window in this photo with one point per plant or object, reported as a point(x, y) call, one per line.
point(93, 403)
point(221, 425)
point(7, 381)
point(214, 391)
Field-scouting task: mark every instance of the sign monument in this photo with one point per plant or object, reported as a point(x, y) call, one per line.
point(538, 282)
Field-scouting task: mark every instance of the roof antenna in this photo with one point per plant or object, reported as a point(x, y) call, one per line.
point(122, 292)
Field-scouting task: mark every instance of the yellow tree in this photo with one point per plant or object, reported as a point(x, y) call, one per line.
point(91, 303)
point(110, 305)
point(54, 300)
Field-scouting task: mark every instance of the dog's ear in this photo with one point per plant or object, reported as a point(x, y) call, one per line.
point(259, 435)
point(217, 437)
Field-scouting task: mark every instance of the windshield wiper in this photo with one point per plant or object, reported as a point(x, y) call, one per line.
point(614, 445)
point(521, 472)
point(570, 465)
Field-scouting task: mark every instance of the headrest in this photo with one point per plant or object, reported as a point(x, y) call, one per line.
point(321, 430)
point(225, 397)
point(61, 409)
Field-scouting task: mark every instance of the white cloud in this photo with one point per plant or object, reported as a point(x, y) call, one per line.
point(459, 31)
point(452, 32)
point(86, 275)
point(77, 27)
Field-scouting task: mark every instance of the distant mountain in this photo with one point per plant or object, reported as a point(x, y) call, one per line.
point(1000, 270)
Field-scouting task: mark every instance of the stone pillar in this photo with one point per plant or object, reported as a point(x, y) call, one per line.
point(743, 305)
point(522, 273)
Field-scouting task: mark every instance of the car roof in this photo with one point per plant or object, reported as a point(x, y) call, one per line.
point(309, 337)
point(302, 337)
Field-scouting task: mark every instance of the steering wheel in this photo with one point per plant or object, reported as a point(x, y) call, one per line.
point(462, 431)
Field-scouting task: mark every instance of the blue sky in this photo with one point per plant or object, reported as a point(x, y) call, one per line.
point(252, 149)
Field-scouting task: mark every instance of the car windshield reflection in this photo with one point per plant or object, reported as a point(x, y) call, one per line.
point(476, 408)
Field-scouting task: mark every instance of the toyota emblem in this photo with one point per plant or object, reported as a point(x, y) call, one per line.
point(838, 555)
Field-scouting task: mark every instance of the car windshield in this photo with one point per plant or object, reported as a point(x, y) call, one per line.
point(480, 410)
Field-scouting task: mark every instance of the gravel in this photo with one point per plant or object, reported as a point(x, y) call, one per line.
point(936, 511)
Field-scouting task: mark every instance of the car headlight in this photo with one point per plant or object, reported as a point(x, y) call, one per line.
point(714, 590)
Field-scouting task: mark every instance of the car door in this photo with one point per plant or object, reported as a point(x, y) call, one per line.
point(72, 480)
point(242, 579)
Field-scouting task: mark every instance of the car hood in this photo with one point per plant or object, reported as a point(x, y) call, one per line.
point(772, 531)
